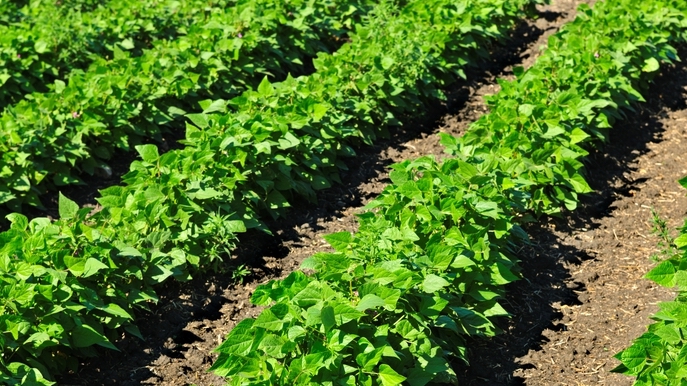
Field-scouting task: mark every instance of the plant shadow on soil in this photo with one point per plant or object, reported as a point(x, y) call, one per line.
point(213, 298)
point(534, 301)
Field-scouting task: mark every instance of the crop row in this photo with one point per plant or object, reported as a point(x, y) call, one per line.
point(658, 357)
point(51, 39)
point(49, 138)
point(431, 258)
point(70, 284)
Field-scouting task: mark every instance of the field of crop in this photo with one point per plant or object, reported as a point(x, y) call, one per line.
point(373, 192)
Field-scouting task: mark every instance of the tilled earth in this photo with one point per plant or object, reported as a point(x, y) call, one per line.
point(582, 298)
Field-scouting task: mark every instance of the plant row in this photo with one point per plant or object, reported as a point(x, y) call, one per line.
point(658, 357)
point(48, 139)
point(52, 39)
point(74, 283)
point(427, 267)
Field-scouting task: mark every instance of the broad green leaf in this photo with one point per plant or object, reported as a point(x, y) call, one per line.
point(86, 336)
point(59, 86)
point(683, 182)
point(651, 65)
point(67, 207)
point(148, 153)
point(116, 310)
point(328, 318)
point(211, 106)
point(41, 46)
point(344, 313)
point(296, 332)
point(487, 208)
point(265, 88)
point(370, 301)
point(200, 120)
point(663, 274)
point(319, 110)
point(239, 340)
point(92, 266)
point(389, 377)
point(76, 265)
point(270, 319)
point(633, 357)
point(127, 44)
point(577, 135)
point(339, 241)
point(261, 295)
point(368, 360)
point(272, 346)
point(526, 109)
point(433, 283)
point(681, 241)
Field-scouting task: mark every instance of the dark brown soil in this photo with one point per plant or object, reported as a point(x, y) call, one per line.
point(582, 298)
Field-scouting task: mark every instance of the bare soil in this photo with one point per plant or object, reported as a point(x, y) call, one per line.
point(582, 298)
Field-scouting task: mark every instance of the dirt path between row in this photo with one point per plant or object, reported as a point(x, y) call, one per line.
point(582, 298)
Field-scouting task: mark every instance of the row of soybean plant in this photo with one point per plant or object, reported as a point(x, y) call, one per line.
point(428, 265)
point(73, 283)
point(48, 139)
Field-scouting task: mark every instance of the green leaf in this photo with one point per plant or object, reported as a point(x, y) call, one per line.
point(368, 360)
point(328, 318)
point(269, 320)
point(75, 265)
point(211, 106)
point(579, 184)
point(681, 241)
point(116, 310)
point(487, 208)
point(276, 200)
point(577, 135)
point(318, 111)
point(663, 274)
point(41, 46)
point(370, 301)
point(59, 86)
point(133, 330)
point(200, 120)
point(389, 377)
point(345, 313)
point(683, 182)
point(265, 88)
point(240, 339)
point(272, 345)
point(148, 153)
point(86, 336)
point(633, 357)
point(433, 283)
point(92, 267)
point(296, 332)
point(651, 65)
point(526, 109)
point(67, 207)
point(339, 241)
point(127, 44)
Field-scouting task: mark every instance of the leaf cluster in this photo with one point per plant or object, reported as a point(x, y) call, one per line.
point(44, 41)
point(48, 139)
